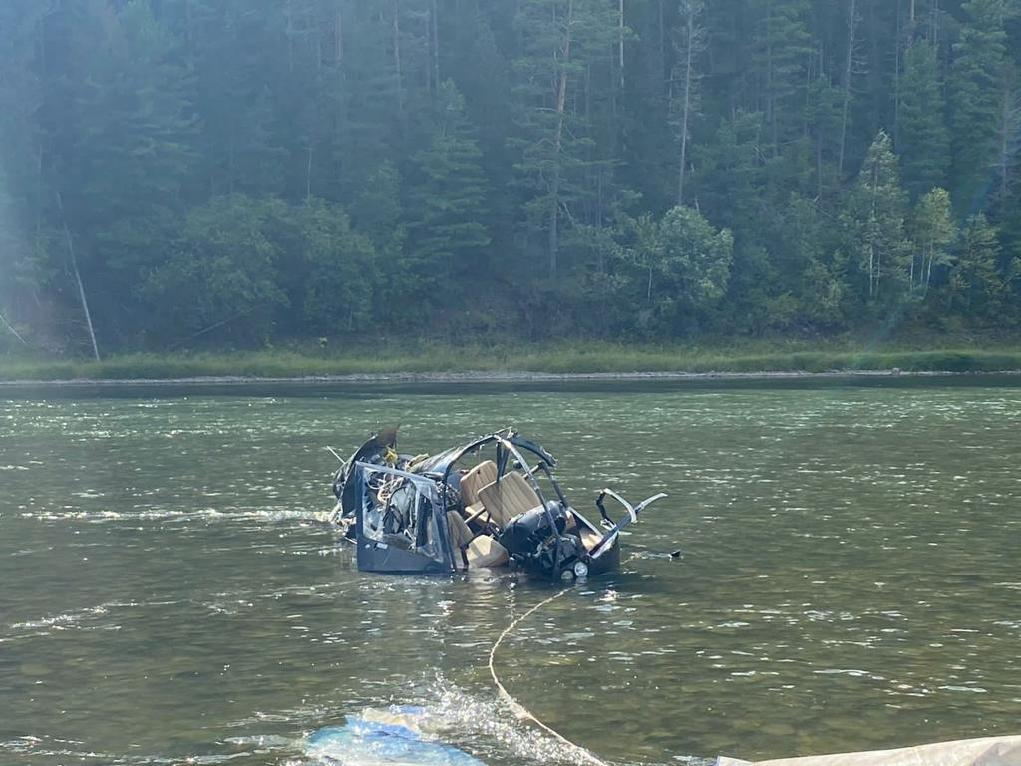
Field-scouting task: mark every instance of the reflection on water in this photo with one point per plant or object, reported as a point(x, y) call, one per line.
point(849, 578)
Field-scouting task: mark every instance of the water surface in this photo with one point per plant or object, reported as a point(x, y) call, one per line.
point(849, 577)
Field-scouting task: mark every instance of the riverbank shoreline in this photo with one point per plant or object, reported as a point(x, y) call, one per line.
point(509, 377)
point(594, 362)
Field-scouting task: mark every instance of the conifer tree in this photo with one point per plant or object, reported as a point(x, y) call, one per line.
point(125, 171)
point(784, 50)
point(976, 286)
point(449, 232)
point(27, 265)
point(559, 39)
point(924, 140)
point(146, 136)
point(976, 99)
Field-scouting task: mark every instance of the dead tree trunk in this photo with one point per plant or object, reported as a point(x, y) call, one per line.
point(398, 71)
point(1010, 118)
point(686, 102)
point(77, 277)
point(434, 16)
point(620, 39)
point(874, 252)
point(558, 139)
point(848, 72)
point(308, 178)
point(10, 328)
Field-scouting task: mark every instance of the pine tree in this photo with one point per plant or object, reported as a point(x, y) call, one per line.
point(27, 264)
point(976, 99)
point(690, 43)
point(236, 59)
point(852, 67)
point(784, 50)
point(124, 172)
point(449, 233)
point(559, 39)
point(729, 173)
point(924, 141)
point(1008, 132)
point(976, 287)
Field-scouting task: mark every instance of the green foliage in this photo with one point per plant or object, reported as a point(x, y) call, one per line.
point(449, 235)
point(678, 265)
point(976, 286)
point(979, 62)
point(238, 173)
point(223, 269)
point(783, 54)
point(335, 273)
point(477, 363)
point(561, 39)
point(874, 220)
point(933, 231)
point(924, 143)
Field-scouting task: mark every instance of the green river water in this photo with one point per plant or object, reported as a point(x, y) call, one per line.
point(850, 575)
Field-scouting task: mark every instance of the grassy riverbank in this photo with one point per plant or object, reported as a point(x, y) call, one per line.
point(558, 359)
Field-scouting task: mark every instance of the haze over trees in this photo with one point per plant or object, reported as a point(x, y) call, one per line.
point(231, 172)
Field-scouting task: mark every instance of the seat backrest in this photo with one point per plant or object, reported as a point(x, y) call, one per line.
point(506, 498)
point(473, 481)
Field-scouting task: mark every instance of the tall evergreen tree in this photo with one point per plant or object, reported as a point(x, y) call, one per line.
point(27, 266)
point(449, 232)
point(464, 143)
point(976, 286)
point(126, 158)
point(783, 57)
point(924, 140)
point(977, 98)
point(560, 38)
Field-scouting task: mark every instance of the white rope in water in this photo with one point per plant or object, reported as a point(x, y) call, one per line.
point(518, 709)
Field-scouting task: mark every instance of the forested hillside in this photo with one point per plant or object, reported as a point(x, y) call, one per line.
point(229, 173)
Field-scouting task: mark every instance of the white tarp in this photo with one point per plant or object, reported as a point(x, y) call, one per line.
point(990, 751)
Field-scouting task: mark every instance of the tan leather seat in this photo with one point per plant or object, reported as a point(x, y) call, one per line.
point(589, 538)
point(507, 497)
point(473, 481)
point(460, 534)
point(484, 551)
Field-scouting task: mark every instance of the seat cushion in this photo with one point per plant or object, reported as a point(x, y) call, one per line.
point(484, 551)
point(473, 481)
point(506, 498)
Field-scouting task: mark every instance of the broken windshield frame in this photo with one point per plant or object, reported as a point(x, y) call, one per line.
point(432, 542)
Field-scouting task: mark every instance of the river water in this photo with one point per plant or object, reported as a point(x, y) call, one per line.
point(849, 579)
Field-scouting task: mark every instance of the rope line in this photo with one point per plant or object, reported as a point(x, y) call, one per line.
point(520, 710)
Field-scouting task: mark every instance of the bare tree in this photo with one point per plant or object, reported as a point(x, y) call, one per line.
point(620, 39)
point(1010, 125)
point(852, 27)
point(690, 44)
point(563, 58)
point(77, 275)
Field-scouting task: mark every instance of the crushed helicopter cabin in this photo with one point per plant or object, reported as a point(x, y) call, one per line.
point(493, 502)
